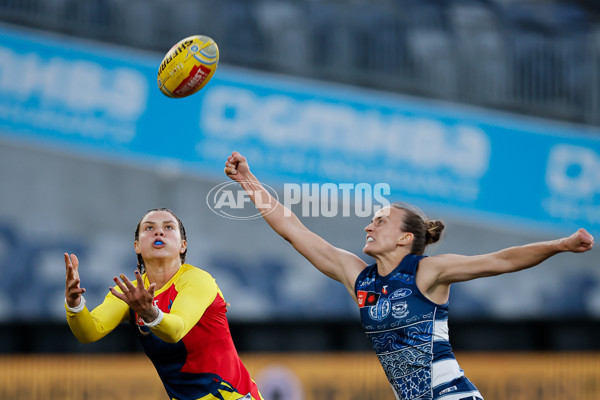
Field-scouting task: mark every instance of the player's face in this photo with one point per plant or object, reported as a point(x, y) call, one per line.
point(384, 233)
point(159, 237)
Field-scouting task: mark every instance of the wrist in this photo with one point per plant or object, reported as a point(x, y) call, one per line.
point(78, 307)
point(562, 245)
point(154, 321)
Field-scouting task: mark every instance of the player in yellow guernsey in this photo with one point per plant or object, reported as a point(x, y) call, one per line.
point(179, 312)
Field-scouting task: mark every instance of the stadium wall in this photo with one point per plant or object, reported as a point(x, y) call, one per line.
point(324, 376)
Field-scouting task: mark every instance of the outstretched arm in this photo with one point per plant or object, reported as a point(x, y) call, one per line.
point(89, 326)
point(438, 272)
point(336, 263)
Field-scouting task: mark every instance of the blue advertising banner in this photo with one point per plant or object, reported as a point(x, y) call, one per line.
point(79, 96)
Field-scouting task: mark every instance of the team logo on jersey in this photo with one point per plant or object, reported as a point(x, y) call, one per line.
point(366, 299)
point(400, 293)
point(399, 309)
point(380, 310)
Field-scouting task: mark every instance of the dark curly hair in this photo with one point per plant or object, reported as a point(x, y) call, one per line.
point(425, 232)
point(140, 260)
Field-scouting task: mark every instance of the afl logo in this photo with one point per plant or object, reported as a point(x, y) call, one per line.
point(230, 200)
point(380, 310)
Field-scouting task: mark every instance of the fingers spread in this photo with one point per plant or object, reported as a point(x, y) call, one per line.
point(117, 294)
point(120, 285)
point(127, 282)
point(138, 278)
point(151, 289)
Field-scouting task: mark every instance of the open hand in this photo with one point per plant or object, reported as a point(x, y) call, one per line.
point(73, 291)
point(138, 298)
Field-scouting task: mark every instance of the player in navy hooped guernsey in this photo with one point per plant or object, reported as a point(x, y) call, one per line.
point(410, 334)
point(403, 296)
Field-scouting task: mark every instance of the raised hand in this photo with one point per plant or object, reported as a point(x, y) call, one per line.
point(579, 241)
point(236, 167)
point(138, 298)
point(73, 291)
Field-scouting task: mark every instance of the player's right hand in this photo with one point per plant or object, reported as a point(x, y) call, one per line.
point(236, 167)
point(73, 291)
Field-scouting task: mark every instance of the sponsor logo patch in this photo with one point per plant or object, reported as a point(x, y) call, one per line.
point(400, 293)
point(367, 299)
point(448, 390)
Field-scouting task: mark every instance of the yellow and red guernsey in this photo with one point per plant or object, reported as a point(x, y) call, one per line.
point(191, 348)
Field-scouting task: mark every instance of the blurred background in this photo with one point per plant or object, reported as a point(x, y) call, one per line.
point(484, 113)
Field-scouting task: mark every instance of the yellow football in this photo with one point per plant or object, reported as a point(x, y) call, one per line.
point(188, 66)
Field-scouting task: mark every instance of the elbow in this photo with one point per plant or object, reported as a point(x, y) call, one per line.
point(86, 339)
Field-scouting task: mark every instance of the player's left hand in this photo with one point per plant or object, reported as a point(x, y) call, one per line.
point(579, 242)
point(137, 297)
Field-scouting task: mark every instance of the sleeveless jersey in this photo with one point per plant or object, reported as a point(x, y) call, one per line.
point(410, 335)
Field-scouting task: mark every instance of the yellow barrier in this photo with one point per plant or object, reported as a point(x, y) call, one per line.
point(315, 376)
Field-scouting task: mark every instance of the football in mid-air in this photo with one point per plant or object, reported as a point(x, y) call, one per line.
point(188, 66)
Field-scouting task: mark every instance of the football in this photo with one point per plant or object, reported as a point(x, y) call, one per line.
point(188, 66)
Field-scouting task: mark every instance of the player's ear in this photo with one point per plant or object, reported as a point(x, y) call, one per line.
point(405, 238)
point(136, 246)
point(183, 246)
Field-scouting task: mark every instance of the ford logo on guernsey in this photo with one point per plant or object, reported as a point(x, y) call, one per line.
point(400, 293)
point(230, 200)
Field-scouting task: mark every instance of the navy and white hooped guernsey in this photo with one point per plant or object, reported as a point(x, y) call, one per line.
point(410, 335)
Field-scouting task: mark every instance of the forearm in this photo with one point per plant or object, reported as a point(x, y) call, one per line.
point(171, 328)
point(522, 257)
point(197, 290)
point(89, 326)
point(279, 217)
